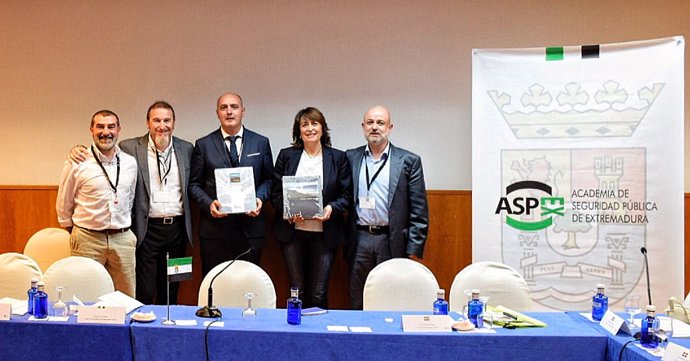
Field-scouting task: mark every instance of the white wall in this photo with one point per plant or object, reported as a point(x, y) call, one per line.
point(61, 61)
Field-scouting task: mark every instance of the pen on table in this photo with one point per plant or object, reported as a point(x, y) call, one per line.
point(509, 315)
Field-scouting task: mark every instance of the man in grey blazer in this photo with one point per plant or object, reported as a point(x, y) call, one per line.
point(161, 216)
point(390, 216)
point(225, 236)
point(162, 219)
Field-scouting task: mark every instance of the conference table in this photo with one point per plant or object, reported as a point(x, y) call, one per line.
point(568, 336)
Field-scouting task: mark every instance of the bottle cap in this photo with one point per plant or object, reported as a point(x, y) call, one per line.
point(651, 308)
point(475, 292)
point(441, 293)
point(34, 281)
point(601, 286)
point(40, 283)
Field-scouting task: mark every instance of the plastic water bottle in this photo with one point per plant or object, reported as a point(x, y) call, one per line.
point(650, 325)
point(440, 305)
point(40, 301)
point(294, 307)
point(30, 295)
point(600, 303)
point(474, 308)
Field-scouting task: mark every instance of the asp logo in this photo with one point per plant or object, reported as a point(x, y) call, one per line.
point(520, 201)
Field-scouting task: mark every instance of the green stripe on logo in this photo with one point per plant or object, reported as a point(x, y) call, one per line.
point(528, 226)
point(554, 53)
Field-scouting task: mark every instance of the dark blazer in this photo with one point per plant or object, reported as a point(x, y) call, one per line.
point(337, 192)
point(138, 148)
point(408, 211)
point(210, 153)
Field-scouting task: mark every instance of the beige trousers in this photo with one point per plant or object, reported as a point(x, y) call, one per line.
point(115, 251)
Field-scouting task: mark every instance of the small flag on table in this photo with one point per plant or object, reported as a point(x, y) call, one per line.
point(179, 269)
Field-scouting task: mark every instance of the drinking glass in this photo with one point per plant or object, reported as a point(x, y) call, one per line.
point(249, 312)
point(465, 307)
point(486, 316)
point(632, 306)
point(59, 308)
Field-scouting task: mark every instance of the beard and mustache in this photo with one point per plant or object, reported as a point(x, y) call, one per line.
point(161, 141)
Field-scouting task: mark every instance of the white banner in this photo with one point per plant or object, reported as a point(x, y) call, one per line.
point(577, 163)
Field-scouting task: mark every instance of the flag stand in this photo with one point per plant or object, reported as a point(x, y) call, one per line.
point(167, 320)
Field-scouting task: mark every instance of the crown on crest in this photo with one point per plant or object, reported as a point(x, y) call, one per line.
point(573, 113)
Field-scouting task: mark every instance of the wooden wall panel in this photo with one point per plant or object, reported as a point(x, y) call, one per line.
point(27, 209)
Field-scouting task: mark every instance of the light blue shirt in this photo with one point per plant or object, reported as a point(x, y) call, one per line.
point(378, 189)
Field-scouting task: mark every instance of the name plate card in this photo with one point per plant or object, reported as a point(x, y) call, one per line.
point(5, 311)
point(427, 323)
point(611, 322)
point(114, 315)
point(675, 352)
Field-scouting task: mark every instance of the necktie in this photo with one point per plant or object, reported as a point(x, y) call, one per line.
point(234, 158)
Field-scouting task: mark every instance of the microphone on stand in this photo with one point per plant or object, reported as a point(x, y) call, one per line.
point(646, 267)
point(211, 311)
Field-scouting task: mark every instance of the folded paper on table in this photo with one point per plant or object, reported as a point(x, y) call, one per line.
point(118, 298)
point(511, 318)
point(19, 307)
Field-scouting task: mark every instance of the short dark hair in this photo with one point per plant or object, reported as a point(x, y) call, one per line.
point(160, 104)
point(105, 113)
point(310, 113)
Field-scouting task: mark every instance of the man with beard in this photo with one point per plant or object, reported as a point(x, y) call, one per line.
point(162, 219)
point(225, 236)
point(390, 217)
point(95, 199)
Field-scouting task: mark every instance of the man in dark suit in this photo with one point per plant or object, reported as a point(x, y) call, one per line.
point(390, 217)
point(224, 236)
point(161, 216)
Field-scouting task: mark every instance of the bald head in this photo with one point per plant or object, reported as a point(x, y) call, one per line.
point(376, 126)
point(230, 110)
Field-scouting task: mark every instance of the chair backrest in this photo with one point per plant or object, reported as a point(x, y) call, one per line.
point(230, 287)
point(400, 284)
point(16, 272)
point(504, 285)
point(79, 276)
point(47, 246)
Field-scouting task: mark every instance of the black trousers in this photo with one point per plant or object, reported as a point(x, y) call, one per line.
point(151, 265)
point(309, 262)
point(215, 251)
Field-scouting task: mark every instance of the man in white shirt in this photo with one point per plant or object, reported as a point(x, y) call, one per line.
point(95, 200)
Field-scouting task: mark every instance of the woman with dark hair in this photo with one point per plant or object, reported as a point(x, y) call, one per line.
point(309, 244)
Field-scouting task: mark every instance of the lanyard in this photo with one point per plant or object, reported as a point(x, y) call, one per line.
point(162, 159)
point(117, 179)
point(366, 166)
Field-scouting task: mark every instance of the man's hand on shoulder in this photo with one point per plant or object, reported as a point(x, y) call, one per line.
point(77, 154)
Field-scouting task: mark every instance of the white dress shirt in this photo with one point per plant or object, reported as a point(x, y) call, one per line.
point(239, 142)
point(164, 178)
point(85, 197)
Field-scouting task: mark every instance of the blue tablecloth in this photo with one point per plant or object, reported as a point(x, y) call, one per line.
point(616, 343)
point(270, 337)
point(21, 339)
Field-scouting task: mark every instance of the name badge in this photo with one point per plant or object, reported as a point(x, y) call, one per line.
point(117, 204)
point(367, 202)
point(161, 196)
